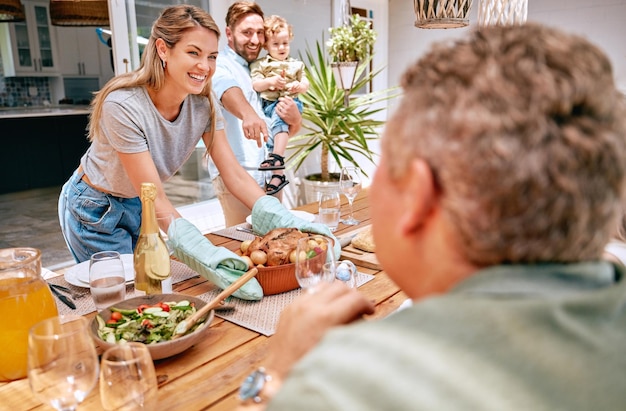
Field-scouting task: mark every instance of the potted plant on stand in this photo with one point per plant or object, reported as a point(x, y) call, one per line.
point(349, 45)
point(340, 127)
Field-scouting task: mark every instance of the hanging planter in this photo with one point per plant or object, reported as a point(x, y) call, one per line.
point(441, 14)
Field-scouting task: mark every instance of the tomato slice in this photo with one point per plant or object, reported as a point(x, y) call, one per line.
point(116, 316)
point(142, 307)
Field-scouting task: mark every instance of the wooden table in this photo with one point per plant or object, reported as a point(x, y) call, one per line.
point(208, 375)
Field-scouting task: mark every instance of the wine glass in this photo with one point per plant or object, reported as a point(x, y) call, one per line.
point(344, 271)
point(62, 361)
point(311, 254)
point(350, 184)
point(127, 378)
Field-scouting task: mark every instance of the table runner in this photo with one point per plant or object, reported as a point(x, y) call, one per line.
point(232, 233)
point(262, 316)
point(84, 303)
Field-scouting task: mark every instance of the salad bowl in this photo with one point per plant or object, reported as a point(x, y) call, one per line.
point(161, 349)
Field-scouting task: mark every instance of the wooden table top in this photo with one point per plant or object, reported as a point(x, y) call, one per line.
point(208, 375)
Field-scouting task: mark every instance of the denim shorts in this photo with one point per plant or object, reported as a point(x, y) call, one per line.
point(277, 124)
point(93, 221)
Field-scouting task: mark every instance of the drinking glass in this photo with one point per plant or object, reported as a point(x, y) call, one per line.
point(107, 280)
point(127, 378)
point(329, 210)
point(62, 361)
point(311, 254)
point(343, 271)
point(350, 184)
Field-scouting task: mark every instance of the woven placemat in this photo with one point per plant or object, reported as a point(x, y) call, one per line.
point(262, 316)
point(232, 233)
point(84, 302)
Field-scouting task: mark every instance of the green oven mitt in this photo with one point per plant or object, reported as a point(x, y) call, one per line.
point(268, 213)
point(217, 264)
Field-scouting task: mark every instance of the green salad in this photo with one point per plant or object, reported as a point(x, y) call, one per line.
point(147, 324)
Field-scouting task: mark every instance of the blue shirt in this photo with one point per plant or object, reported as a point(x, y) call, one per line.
point(233, 71)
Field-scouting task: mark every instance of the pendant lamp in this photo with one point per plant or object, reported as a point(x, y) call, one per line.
point(11, 11)
point(79, 12)
point(441, 14)
point(502, 12)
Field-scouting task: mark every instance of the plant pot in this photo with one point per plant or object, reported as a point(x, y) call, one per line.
point(313, 187)
point(345, 73)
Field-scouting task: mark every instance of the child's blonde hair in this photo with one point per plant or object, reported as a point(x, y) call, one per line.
point(275, 24)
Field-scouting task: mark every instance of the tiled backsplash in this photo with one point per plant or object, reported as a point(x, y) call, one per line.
point(24, 91)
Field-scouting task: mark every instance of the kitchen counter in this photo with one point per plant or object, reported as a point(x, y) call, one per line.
point(43, 111)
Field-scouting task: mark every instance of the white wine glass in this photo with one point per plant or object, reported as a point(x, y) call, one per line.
point(128, 379)
point(62, 361)
point(350, 184)
point(311, 254)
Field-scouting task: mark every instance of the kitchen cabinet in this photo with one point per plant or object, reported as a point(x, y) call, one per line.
point(29, 48)
point(40, 152)
point(79, 51)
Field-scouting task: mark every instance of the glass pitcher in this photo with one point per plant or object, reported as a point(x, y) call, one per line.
point(25, 299)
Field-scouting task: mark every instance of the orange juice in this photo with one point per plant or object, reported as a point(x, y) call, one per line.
point(25, 299)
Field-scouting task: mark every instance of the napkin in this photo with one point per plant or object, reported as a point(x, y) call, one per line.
point(217, 264)
point(268, 213)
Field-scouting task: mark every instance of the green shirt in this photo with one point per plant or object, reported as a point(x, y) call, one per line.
point(518, 337)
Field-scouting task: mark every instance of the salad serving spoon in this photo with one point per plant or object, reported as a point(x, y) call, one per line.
point(186, 324)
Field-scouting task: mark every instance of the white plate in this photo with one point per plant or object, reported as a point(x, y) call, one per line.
point(302, 214)
point(78, 275)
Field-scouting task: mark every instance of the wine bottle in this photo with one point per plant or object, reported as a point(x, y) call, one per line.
point(151, 258)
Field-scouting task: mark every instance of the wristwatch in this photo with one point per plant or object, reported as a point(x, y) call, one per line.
point(253, 385)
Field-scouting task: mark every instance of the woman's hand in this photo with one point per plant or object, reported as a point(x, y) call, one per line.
point(305, 321)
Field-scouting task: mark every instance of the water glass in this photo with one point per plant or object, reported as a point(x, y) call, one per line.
point(329, 210)
point(344, 271)
point(107, 280)
point(311, 254)
point(128, 379)
point(62, 361)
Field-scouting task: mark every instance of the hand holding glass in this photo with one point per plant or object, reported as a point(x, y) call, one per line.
point(329, 210)
point(107, 280)
point(62, 361)
point(311, 254)
point(127, 378)
point(350, 184)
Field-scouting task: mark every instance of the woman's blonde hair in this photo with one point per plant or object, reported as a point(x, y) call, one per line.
point(170, 26)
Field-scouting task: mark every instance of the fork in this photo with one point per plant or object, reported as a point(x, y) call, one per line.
point(71, 292)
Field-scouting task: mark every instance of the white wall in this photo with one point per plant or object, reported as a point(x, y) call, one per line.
point(601, 21)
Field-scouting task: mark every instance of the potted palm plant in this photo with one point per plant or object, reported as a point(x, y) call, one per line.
point(340, 129)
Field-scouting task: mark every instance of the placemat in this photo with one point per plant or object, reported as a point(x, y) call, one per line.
point(262, 316)
point(232, 233)
point(84, 302)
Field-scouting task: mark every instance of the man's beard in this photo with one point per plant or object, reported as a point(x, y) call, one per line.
point(247, 54)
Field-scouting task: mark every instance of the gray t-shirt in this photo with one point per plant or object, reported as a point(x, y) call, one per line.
point(132, 124)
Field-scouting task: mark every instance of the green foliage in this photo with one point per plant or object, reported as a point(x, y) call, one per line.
point(341, 131)
point(351, 42)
